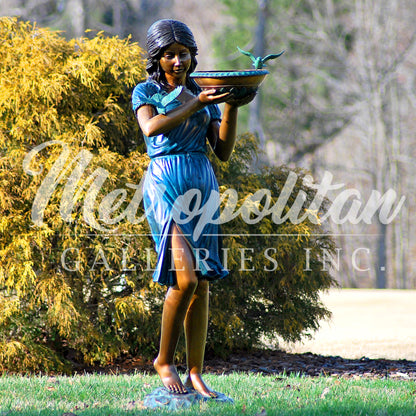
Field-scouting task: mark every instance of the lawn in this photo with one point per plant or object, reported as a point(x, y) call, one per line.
point(365, 322)
point(254, 394)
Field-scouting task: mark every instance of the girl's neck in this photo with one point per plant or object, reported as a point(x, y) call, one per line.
point(171, 86)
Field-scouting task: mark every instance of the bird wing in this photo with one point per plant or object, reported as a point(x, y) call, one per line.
point(272, 56)
point(247, 53)
point(167, 99)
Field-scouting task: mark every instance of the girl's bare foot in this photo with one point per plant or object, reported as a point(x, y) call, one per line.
point(194, 381)
point(170, 378)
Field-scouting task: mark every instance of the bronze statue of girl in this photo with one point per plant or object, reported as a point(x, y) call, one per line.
point(177, 119)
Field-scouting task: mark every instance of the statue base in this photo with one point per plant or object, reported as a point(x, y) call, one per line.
point(163, 398)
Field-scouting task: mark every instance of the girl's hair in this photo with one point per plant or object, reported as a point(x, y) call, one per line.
point(162, 34)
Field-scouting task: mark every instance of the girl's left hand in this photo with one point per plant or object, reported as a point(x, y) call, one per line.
point(238, 102)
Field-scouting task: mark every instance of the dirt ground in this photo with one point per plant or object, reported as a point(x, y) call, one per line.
point(372, 334)
point(365, 323)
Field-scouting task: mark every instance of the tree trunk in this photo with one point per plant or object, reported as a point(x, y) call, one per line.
point(254, 122)
point(381, 281)
point(76, 13)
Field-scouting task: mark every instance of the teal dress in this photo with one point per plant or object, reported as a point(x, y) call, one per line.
point(180, 186)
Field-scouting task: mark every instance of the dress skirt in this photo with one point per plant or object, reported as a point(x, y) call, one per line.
point(182, 189)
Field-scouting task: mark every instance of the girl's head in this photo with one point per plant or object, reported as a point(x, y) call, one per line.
point(162, 34)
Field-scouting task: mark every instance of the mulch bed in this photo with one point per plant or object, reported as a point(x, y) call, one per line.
point(270, 362)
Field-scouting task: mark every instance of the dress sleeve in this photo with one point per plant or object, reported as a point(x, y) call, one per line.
point(214, 112)
point(141, 94)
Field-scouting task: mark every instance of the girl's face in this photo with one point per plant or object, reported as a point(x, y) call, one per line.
point(175, 62)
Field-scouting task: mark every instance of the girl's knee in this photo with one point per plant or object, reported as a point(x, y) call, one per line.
point(188, 283)
point(203, 287)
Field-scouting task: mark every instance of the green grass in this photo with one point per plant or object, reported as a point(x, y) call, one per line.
point(102, 395)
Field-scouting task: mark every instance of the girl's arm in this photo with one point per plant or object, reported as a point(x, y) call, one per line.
point(222, 135)
point(153, 124)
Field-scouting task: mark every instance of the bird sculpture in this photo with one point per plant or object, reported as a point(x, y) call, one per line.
point(161, 100)
point(259, 62)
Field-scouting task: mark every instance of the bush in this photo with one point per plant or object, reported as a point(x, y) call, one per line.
point(72, 290)
point(275, 292)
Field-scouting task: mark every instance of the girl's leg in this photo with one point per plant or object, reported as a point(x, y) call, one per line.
point(174, 311)
point(196, 325)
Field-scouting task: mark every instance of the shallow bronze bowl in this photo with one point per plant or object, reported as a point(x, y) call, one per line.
point(240, 83)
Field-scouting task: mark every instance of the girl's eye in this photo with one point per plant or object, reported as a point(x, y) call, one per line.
point(170, 55)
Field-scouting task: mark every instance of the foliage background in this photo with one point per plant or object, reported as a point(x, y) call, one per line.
point(341, 98)
point(77, 92)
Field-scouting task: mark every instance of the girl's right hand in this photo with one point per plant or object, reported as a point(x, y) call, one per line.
point(209, 97)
